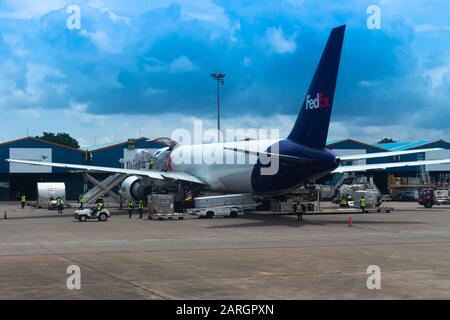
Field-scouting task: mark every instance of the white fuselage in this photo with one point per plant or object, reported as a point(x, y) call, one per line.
point(221, 168)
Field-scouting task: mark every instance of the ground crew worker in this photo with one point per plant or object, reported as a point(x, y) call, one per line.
point(23, 201)
point(130, 208)
point(152, 162)
point(99, 206)
point(141, 209)
point(81, 201)
point(298, 208)
point(362, 204)
point(344, 202)
point(59, 205)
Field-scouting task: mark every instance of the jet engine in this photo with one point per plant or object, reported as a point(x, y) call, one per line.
point(136, 188)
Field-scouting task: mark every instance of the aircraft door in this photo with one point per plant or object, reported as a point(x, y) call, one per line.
point(162, 157)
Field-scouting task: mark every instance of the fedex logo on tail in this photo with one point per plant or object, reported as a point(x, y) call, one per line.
point(320, 101)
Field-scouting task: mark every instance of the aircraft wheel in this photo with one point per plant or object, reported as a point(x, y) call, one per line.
point(428, 205)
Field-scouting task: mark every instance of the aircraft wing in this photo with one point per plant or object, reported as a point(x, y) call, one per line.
point(365, 167)
point(154, 174)
point(384, 154)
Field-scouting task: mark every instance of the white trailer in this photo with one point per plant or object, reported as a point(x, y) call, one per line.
point(442, 196)
point(50, 191)
point(226, 205)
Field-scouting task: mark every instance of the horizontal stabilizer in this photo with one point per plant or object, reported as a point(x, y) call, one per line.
point(384, 154)
point(365, 167)
point(282, 157)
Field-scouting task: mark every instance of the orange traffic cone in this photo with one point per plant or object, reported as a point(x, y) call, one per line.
point(5, 216)
point(350, 221)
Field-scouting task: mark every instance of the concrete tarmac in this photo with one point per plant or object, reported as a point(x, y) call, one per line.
point(258, 256)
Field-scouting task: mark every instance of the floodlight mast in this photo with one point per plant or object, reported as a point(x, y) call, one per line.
point(219, 78)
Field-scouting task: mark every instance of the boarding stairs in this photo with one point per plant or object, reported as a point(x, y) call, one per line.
point(103, 187)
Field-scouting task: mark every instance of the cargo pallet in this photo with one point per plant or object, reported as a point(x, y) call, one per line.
point(378, 210)
point(164, 216)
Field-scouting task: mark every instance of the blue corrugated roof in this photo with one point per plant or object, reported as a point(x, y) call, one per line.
point(353, 144)
point(403, 145)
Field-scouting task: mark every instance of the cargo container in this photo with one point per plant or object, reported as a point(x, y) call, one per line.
point(161, 206)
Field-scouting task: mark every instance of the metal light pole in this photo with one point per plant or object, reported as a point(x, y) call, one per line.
point(219, 77)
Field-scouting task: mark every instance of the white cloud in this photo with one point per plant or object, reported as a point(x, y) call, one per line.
point(115, 17)
point(36, 74)
point(79, 112)
point(431, 28)
point(180, 64)
point(16, 44)
point(278, 42)
point(104, 41)
point(295, 3)
point(438, 79)
point(30, 113)
point(150, 91)
point(368, 83)
point(90, 129)
point(36, 86)
point(30, 9)
point(204, 11)
point(371, 134)
point(247, 61)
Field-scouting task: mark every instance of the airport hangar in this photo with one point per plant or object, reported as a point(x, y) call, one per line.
point(16, 179)
point(381, 177)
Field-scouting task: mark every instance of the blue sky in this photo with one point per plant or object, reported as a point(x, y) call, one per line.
point(143, 67)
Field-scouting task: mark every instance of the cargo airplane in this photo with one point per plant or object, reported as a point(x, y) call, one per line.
point(301, 158)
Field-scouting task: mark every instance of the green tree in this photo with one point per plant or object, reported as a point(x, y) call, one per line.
point(386, 140)
point(61, 138)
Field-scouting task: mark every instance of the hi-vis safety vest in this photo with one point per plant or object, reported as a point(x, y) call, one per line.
point(141, 204)
point(130, 205)
point(23, 199)
point(362, 202)
point(81, 199)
